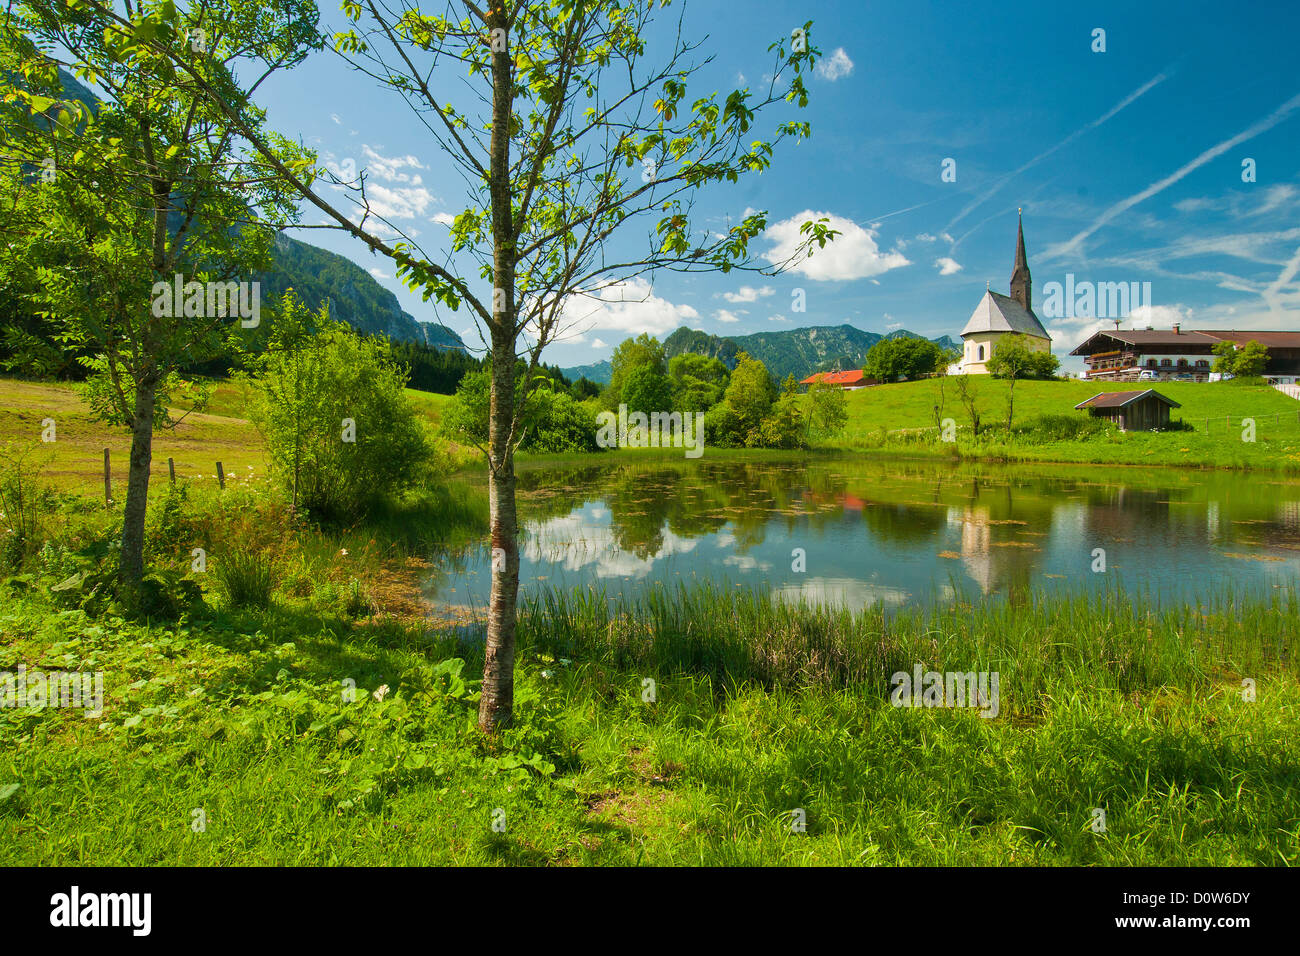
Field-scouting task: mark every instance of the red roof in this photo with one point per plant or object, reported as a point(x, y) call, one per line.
point(855, 377)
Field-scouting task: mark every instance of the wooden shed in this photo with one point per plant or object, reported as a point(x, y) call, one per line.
point(1132, 411)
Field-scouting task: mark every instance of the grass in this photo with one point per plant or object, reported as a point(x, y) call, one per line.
point(75, 460)
point(900, 417)
point(244, 717)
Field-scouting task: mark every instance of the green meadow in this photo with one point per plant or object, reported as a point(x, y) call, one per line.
point(901, 418)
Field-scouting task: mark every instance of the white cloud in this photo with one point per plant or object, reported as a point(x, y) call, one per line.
point(443, 218)
point(726, 315)
point(1160, 316)
point(747, 293)
point(389, 168)
point(599, 344)
point(335, 118)
point(836, 66)
point(777, 318)
point(392, 192)
point(401, 203)
point(947, 266)
point(630, 306)
point(379, 273)
point(851, 255)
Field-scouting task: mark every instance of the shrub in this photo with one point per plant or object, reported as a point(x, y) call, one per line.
point(21, 500)
point(245, 576)
point(340, 432)
point(560, 424)
point(1049, 428)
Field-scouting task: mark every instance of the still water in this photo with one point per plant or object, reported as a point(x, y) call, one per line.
point(854, 532)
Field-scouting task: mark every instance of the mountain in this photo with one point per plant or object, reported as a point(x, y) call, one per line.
point(317, 275)
point(797, 352)
point(597, 372)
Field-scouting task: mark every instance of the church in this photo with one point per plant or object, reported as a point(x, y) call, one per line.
point(999, 315)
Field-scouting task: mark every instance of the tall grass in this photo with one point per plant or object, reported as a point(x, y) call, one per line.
point(1040, 644)
point(246, 578)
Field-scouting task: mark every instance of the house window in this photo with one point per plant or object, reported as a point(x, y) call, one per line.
point(1182, 363)
point(981, 353)
point(1202, 363)
point(1165, 363)
point(1151, 363)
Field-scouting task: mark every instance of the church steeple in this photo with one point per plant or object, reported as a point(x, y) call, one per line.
point(1022, 286)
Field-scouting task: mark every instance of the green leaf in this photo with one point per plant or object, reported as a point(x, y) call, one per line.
point(8, 790)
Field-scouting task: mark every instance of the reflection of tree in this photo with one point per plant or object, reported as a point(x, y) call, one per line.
point(903, 524)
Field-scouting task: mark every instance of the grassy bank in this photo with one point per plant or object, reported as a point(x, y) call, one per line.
point(758, 709)
point(75, 459)
point(900, 418)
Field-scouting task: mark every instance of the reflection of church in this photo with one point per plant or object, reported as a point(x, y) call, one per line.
point(988, 564)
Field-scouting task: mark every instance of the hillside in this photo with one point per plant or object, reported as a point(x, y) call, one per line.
point(797, 352)
point(355, 297)
point(879, 417)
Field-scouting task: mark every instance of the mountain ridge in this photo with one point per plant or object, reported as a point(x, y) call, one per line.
point(799, 352)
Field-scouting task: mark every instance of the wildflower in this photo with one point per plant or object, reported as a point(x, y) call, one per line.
point(381, 693)
point(343, 551)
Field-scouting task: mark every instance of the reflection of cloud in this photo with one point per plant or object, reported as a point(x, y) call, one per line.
point(576, 543)
point(848, 593)
point(746, 562)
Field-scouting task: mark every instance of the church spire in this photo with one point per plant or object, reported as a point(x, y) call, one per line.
point(1021, 284)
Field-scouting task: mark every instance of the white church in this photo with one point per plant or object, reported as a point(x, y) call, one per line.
point(1000, 315)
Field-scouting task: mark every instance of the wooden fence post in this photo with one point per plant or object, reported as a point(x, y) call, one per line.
point(108, 483)
point(221, 476)
point(171, 469)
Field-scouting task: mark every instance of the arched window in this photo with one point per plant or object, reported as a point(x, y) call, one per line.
point(981, 353)
point(1182, 363)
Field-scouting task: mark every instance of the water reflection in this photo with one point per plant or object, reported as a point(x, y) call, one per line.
point(894, 533)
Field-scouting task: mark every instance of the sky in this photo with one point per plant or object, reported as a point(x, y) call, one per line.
point(1163, 151)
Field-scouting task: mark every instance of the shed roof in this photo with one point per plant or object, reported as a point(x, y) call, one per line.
point(1001, 313)
point(1120, 399)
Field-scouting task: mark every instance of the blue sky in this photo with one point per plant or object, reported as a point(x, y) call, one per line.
point(1127, 163)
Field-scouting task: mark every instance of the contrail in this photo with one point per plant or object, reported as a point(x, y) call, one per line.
point(1267, 123)
point(996, 187)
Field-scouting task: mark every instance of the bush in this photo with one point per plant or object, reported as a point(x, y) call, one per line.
point(723, 427)
point(22, 498)
point(554, 422)
point(559, 424)
point(340, 432)
point(1050, 428)
point(245, 576)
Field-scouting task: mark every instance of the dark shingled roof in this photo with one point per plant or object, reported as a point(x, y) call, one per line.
point(1120, 399)
point(1001, 313)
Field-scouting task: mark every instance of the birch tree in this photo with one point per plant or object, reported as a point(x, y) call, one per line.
point(584, 154)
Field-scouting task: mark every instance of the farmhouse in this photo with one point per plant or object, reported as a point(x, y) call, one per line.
point(1000, 315)
point(1132, 411)
point(849, 381)
point(1127, 355)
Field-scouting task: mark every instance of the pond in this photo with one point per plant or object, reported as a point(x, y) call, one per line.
point(856, 531)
